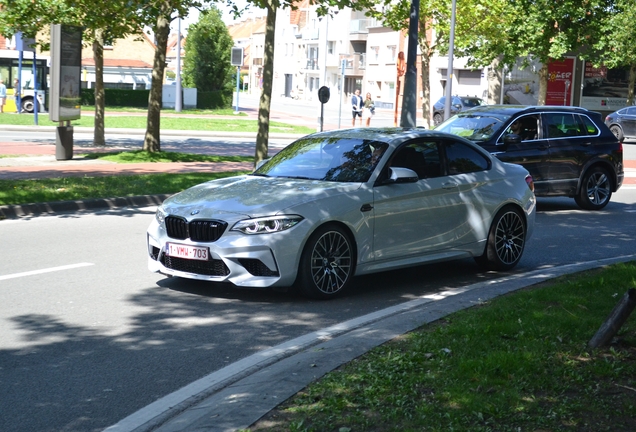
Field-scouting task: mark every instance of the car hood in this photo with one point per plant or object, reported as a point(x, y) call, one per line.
point(250, 196)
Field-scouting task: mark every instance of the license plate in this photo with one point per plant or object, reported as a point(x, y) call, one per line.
point(187, 252)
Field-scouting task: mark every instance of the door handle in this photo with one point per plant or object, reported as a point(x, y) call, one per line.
point(450, 185)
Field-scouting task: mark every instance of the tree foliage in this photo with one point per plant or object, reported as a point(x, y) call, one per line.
point(207, 53)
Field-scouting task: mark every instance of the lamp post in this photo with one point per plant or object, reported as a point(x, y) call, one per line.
point(449, 72)
point(178, 104)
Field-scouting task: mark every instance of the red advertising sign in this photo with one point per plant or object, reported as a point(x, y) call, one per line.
point(560, 80)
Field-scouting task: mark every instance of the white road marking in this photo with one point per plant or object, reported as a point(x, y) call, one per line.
point(48, 270)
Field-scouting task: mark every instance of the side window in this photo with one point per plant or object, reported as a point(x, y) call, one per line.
point(630, 111)
point(589, 125)
point(421, 157)
point(527, 127)
point(561, 125)
point(462, 159)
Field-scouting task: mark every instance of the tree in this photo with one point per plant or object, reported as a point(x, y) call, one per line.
point(544, 30)
point(208, 49)
point(616, 43)
point(100, 20)
point(158, 14)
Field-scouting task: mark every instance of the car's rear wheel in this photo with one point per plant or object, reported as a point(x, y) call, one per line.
point(506, 240)
point(326, 264)
point(596, 189)
point(437, 119)
point(618, 132)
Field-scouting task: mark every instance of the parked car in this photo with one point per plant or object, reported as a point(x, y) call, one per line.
point(622, 123)
point(568, 150)
point(458, 104)
point(337, 204)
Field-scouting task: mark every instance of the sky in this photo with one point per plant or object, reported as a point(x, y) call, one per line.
point(193, 15)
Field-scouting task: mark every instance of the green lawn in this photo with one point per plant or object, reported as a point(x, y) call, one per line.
point(517, 363)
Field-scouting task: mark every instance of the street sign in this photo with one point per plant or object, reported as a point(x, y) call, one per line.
point(237, 56)
point(323, 94)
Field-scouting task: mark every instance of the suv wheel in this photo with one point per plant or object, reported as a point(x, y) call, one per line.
point(437, 119)
point(596, 189)
point(618, 132)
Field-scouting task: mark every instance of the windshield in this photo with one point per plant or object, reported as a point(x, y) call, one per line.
point(475, 127)
point(331, 159)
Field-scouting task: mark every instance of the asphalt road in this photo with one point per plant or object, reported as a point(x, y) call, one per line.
point(89, 336)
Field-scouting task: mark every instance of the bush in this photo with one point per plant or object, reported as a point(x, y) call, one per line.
point(214, 99)
point(118, 97)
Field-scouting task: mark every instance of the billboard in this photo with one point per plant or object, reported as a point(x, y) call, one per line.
point(604, 89)
point(66, 65)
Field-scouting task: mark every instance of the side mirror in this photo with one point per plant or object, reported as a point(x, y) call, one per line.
point(402, 175)
point(510, 139)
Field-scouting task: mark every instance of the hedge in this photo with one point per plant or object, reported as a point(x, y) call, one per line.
point(139, 98)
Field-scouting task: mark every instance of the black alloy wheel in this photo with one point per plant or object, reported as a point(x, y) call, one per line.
point(506, 240)
point(596, 189)
point(327, 263)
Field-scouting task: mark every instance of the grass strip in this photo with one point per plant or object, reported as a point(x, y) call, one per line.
point(13, 192)
point(516, 363)
point(224, 124)
point(141, 156)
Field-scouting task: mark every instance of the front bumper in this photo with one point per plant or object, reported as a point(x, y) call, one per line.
point(258, 261)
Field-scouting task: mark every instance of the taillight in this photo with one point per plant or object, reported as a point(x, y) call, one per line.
point(530, 182)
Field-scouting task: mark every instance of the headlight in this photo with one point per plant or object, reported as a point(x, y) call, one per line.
point(266, 225)
point(160, 215)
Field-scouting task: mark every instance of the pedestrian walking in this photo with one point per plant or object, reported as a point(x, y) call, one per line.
point(3, 95)
point(368, 109)
point(356, 106)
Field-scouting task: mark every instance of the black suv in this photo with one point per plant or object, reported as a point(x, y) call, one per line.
point(569, 151)
point(458, 104)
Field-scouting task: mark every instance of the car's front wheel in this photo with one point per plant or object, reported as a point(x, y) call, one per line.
point(596, 189)
point(437, 119)
point(506, 240)
point(326, 264)
point(618, 132)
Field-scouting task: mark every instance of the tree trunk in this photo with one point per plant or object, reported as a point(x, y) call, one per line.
point(425, 59)
point(262, 136)
point(630, 85)
point(615, 321)
point(100, 97)
point(162, 30)
point(543, 84)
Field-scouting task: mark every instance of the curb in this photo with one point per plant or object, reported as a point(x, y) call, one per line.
point(57, 207)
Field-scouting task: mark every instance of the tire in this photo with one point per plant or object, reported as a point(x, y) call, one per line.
point(437, 119)
point(596, 189)
point(506, 241)
point(27, 105)
point(618, 132)
point(326, 264)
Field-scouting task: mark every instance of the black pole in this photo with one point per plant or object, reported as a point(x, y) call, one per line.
point(409, 100)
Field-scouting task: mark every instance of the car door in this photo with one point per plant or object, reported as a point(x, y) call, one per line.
point(532, 152)
point(414, 218)
point(628, 122)
point(569, 142)
point(433, 213)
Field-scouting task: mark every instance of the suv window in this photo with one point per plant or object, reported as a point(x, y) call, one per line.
point(561, 125)
point(589, 125)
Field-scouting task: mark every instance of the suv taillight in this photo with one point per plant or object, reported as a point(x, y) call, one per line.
point(530, 182)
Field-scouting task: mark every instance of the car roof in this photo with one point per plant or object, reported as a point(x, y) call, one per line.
point(391, 135)
point(509, 110)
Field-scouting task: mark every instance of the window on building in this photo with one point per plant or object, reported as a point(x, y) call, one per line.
point(392, 53)
point(375, 55)
point(469, 77)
